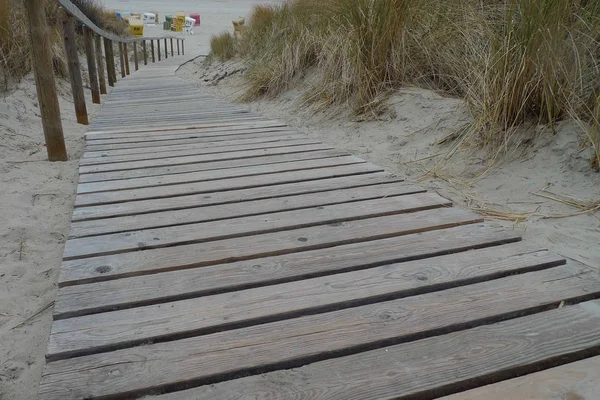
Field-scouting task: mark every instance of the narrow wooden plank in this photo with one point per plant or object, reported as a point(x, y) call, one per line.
point(157, 151)
point(158, 138)
point(215, 174)
point(232, 196)
point(222, 185)
point(93, 133)
point(269, 244)
point(199, 316)
point(228, 211)
point(196, 158)
point(129, 292)
point(299, 341)
point(154, 146)
point(197, 150)
point(575, 381)
point(153, 238)
point(178, 169)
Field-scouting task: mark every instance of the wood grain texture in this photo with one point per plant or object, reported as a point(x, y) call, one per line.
point(228, 211)
point(178, 169)
point(89, 199)
point(426, 368)
point(231, 196)
point(196, 316)
point(175, 143)
point(151, 238)
point(268, 244)
point(299, 341)
point(215, 174)
point(195, 282)
point(575, 381)
point(41, 57)
point(206, 156)
point(294, 140)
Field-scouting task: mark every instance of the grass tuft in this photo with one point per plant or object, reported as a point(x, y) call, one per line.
point(223, 46)
point(515, 62)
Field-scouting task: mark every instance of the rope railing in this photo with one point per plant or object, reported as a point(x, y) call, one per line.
point(94, 38)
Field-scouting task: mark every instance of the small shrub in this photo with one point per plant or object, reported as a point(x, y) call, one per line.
point(223, 46)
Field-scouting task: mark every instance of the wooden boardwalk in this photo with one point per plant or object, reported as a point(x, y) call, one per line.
point(215, 254)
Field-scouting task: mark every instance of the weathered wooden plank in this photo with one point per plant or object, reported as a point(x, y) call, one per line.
point(215, 174)
point(123, 148)
point(232, 196)
point(198, 316)
point(235, 210)
point(222, 185)
point(299, 341)
point(575, 381)
point(196, 158)
point(205, 148)
point(94, 134)
point(152, 238)
point(127, 292)
point(177, 169)
point(265, 245)
point(425, 368)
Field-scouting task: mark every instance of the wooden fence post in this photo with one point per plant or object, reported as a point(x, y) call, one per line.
point(183, 46)
point(172, 53)
point(41, 57)
point(158, 52)
point(91, 62)
point(122, 60)
point(101, 75)
point(152, 50)
point(145, 52)
point(110, 62)
point(126, 54)
point(166, 50)
point(178, 51)
point(135, 56)
point(74, 68)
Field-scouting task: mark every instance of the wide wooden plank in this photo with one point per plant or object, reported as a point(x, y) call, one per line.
point(189, 144)
point(227, 211)
point(153, 238)
point(207, 166)
point(136, 291)
point(196, 316)
point(207, 148)
point(430, 367)
point(222, 185)
point(258, 246)
point(232, 196)
point(575, 381)
point(299, 341)
point(86, 169)
point(199, 176)
point(93, 150)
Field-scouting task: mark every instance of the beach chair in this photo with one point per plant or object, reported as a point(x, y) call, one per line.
point(238, 26)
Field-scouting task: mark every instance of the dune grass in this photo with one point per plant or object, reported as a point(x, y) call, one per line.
point(514, 61)
point(223, 46)
point(14, 36)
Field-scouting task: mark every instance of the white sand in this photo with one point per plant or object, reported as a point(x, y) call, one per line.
point(36, 201)
point(405, 142)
